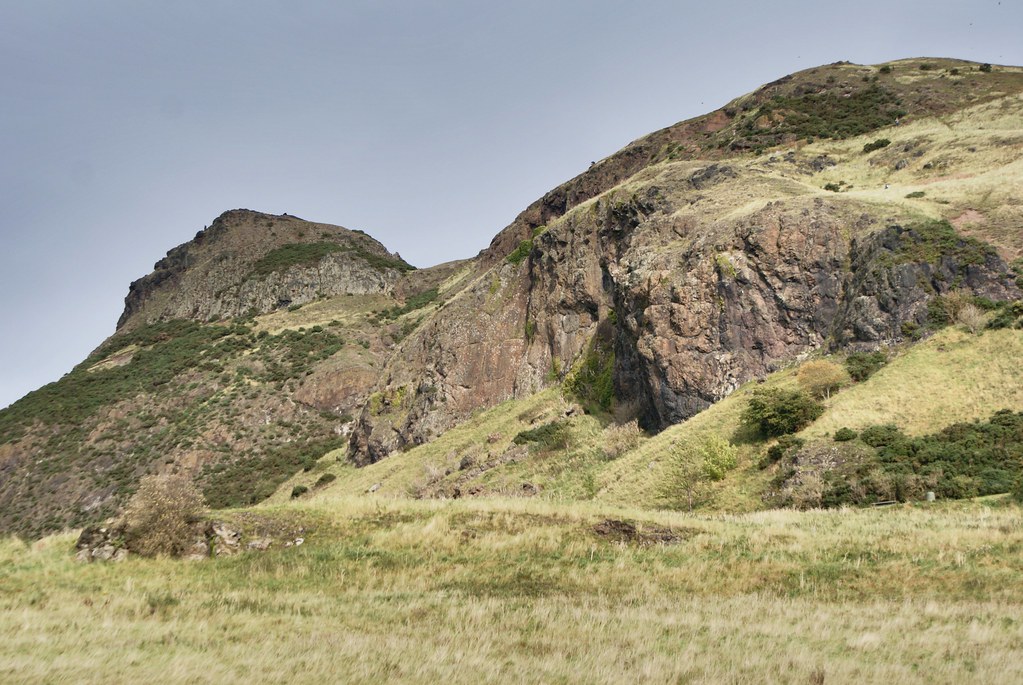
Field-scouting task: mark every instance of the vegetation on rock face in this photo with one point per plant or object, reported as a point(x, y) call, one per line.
point(253, 478)
point(417, 301)
point(930, 242)
point(593, 381)
point(294, 254)
point(520, 252)
point(167, 350)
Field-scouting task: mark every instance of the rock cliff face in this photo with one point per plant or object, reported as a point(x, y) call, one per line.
point(694, 304)
point(252, 263)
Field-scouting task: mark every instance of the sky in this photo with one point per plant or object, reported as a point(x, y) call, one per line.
point(126, 126)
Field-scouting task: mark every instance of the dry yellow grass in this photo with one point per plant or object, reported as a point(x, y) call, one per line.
point(525, 591)
point(949, 378)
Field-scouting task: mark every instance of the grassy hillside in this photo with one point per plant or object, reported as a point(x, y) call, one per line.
point(534, 592)
point(948, 378)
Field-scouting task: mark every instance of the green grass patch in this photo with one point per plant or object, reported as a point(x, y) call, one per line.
point(520, 252)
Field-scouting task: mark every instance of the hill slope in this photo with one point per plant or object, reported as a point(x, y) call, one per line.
point(825, 211)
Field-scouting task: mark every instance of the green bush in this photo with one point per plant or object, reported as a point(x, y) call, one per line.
point(844, 435)
point(775, 412)
point(886, 69)
point(298, 491)
point(325, 479)
point(549, 436)
point(877, 145)
point(915, 194)
point(862, 365)
point(833, 187)
point(1009, 315)
point(302, 254)
point(986, 68)
point(885, 435)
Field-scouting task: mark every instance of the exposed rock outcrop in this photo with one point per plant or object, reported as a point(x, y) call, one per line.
point(252, 263)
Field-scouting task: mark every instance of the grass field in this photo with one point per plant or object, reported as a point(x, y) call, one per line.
point(527, 591)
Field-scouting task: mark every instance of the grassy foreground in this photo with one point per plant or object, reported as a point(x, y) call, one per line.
point(521, 590)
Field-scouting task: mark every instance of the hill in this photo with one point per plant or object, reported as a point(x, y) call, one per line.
point(831, 211)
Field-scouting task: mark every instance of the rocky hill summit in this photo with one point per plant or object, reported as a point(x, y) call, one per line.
point(246, 262)
point(828, 210)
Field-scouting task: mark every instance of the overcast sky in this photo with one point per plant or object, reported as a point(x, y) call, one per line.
point(127, 126)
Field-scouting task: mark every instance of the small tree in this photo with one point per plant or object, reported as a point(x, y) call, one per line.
point(160, 517)
point(775, 412)
point(820, 378)
point(692, 466)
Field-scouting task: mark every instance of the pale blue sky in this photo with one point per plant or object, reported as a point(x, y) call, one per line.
point(126, 126)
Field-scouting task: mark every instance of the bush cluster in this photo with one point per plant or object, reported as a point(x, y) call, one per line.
point(775, 412)
point(963, 460)
point(254, 477)
point(822, 115)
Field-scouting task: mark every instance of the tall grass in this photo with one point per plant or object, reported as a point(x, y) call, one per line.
point(526, 591)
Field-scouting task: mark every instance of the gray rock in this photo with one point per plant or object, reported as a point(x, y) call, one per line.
point(260, 544)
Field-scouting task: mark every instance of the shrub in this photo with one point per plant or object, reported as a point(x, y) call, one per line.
point(1008, 316)
point(862, 365)
point(298, 491)
point(877, 145)
point(986, 68)
point(833, 187)
point(325, 479)
point(820, 378)
point(915, 194)
point(161, 517)
point(1017, 488)
point(882, 436)
point(971, 317)
point(778, 412)
point(886, 69)
point(844, 435)
point(550, 436)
